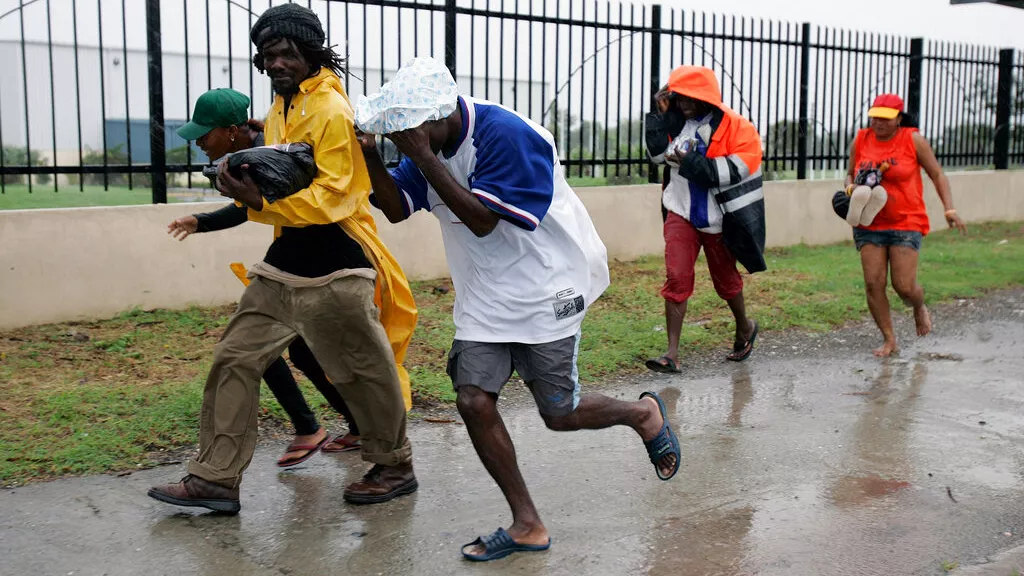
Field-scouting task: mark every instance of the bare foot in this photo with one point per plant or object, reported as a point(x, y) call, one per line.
point(743, 337)
point(923, 320)
point(650, 427)
point(304, 440)
point(534, 535)
point(888, 348)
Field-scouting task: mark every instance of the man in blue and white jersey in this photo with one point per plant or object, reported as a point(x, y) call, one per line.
point(526, 263)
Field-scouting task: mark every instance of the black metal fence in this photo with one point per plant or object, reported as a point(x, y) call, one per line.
point(584, 69)
point(1014, 100)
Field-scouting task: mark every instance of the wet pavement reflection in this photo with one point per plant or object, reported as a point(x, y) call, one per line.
point(792, 466)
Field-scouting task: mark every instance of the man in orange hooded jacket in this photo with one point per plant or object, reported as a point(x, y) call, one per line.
point(713, 199)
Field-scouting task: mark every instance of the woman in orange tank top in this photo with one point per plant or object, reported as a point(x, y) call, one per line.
point(890, 243)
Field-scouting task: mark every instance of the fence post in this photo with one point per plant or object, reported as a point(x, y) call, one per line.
point(914, 78)
point(449, 36)
point(1004, 94)
point(157, 156)
point(805, 81)
point(653, 174)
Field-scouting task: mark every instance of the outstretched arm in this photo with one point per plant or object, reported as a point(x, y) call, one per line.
point(926, 158)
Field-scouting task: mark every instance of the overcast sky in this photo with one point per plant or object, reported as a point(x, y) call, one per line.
point(981, 24)
point(987, 24)
point(935, 19)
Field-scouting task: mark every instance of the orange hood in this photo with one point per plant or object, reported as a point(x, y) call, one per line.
point(734, 135)
point(696, 82)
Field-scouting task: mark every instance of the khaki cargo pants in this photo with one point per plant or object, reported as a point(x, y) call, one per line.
point(341, 324)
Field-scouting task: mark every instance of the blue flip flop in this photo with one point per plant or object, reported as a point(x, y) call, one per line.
point(664, 442)
point(499, 545)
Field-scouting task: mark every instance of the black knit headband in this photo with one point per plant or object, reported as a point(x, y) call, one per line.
point(288, 21)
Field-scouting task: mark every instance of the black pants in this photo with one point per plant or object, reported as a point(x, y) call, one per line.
point(282, 384)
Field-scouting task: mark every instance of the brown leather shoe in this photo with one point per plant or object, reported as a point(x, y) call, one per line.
point(194, 491)
point(382, 483)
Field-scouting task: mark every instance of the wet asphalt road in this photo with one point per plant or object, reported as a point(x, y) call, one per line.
point(812, 458)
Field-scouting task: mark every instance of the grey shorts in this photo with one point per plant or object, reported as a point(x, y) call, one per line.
point(549, 370)
point(905, 238)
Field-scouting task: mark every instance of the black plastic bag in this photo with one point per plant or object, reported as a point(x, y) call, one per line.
point(278, 171)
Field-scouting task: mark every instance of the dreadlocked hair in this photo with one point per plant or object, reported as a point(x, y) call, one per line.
point(317, 55)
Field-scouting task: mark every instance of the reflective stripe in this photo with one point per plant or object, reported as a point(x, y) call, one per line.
point(743, 201)
point(734, 192)
point(741, 166)
point(722, 164)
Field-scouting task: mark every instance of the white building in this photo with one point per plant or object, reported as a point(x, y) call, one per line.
point(109, 104)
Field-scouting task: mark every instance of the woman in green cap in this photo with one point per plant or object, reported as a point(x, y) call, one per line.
point(221, 125)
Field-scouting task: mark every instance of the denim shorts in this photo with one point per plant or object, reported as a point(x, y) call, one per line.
point(905, 238)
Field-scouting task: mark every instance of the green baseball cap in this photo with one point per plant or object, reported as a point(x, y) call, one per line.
point(217, 108)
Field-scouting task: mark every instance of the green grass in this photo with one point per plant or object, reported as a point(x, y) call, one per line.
point(17, 197)
point(71, 405)
point(621, 180)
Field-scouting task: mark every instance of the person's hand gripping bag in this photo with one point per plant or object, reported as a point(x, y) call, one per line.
point(278, 171)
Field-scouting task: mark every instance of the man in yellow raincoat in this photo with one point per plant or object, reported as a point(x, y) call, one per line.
point(326, 278)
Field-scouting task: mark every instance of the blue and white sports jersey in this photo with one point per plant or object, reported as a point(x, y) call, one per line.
point(532, 278)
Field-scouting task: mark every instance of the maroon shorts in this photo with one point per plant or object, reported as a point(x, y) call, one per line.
point(682, 244)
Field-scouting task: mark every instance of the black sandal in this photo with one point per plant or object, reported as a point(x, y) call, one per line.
point(741, 353)
point(663, 365)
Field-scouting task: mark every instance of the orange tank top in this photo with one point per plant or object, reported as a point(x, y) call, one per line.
point(904, 210)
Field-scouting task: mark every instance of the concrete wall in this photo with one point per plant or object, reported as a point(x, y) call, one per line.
point(70, 264)
point(801, 212)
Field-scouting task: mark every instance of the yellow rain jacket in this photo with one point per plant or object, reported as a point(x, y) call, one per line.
point(321, 116)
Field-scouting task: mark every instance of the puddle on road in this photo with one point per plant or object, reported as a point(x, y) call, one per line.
point(860, 490)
